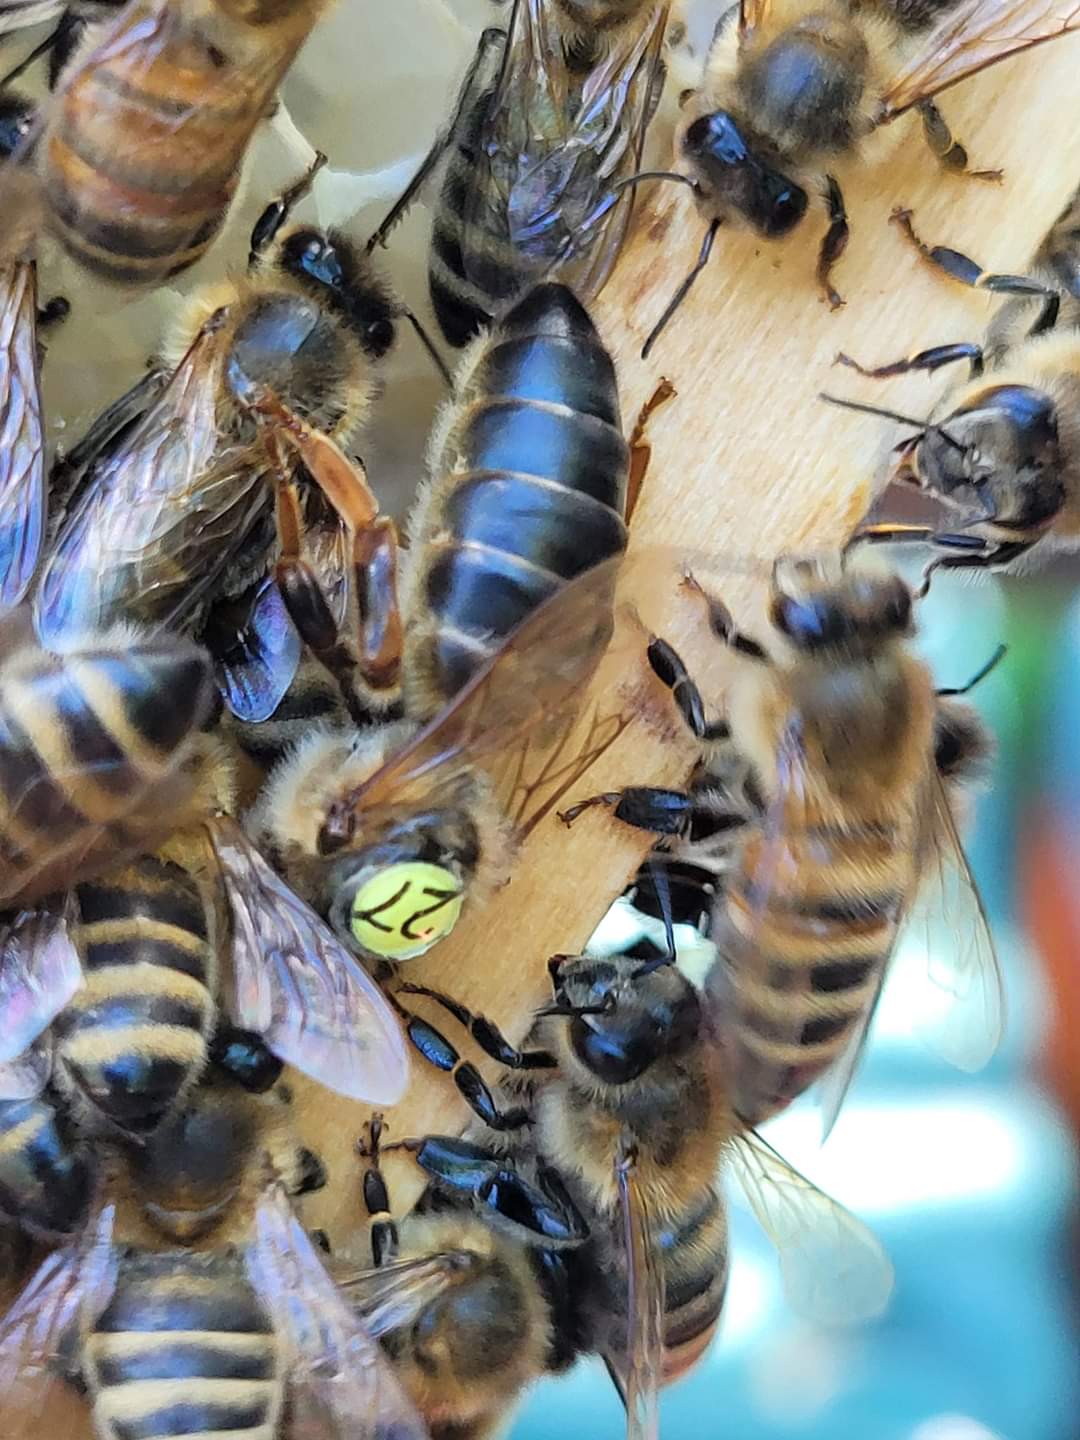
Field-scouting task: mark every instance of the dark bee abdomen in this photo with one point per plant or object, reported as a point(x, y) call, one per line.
point(530, 486)
point(135, 1035)
point(184, 1348)
point(82, 739)
point(798, 971)
point(45, 1181)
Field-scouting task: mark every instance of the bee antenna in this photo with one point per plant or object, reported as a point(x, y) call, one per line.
point(923, 426)
point(428, 344)
point(632, 180)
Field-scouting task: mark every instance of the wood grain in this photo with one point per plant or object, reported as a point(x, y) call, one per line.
point(746, 460)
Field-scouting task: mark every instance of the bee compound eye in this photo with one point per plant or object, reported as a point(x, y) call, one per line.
point(400, 911)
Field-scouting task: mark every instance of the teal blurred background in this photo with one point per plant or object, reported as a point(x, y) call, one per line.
point(969, 1180)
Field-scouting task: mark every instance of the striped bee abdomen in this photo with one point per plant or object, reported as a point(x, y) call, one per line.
point(694, 1251)
point(184, 1347)
point(529, 488)
point(45, 1181)
point(802, 948)
point(473, 268)
point(84, 737)
point(135, 1036)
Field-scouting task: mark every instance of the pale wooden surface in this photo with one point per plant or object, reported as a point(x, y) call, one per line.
point(745, 460)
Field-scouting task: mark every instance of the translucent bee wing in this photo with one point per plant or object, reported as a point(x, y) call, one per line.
point(639, 1371)
point(21, 14)
point(161, 516)
point(390, 1296)
point(964, 42)
point(63, 1297)
point(25, 1077)
point(561, 205)
point(342, 1385)
point(949, 917)
point(257, 668)
point(298, 987)
point(510, 720)
point(40, 971)
point(834, 1268)
point(831, 1090)
point(22, 442)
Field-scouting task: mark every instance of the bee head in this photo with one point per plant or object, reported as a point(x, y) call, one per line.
point(997, 456)
point(620, 1024)
point(818, 605)
point(334, 272)
point(729, 169)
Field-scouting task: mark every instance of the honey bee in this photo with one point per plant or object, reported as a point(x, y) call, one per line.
point(184, 83)
point(847, 744)
point(552, 115)
point(386, 831)
point(259, 1339)
point(125, 991)
point(174, 507)
point(1001, 453)
point(798, 89)
point(623, 1102)
point(509, 1317)
point(45, 1170)
point(96, 741)
point(528, 488)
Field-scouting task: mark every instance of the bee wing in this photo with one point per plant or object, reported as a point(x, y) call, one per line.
point(965, 968)
point(962, 43)
point(510, 719)
point(40, 971)
point(25, 1077)
point(22, 441)
point(342, 1386)
point(161, 516)
point(69, 1289)
point(257, 668)
point(637, 1373)
point(298, 987)
point(390, 1296)
point(835, 1270)
point(21, 14)
point(563, 204)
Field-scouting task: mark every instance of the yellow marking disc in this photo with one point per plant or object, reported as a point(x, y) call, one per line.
point(405, 909)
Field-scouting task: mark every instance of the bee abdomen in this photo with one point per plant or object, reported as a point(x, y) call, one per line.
point(313, 698)
point(184, 1348)
point(473, 267)
point(135, 1035)
point(138, 213)
point(795, 980)
point(534, 493)
point(83, 735)
point(695, 1257)
point(45, 1181)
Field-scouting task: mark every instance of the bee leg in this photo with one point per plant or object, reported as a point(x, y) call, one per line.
point(479, 78)
point(542, 1214)
point(949, 691)
point(683, 290)
point(640, 449)
point(723, 626)
point(972, 551)
point(486, 1034)
point(269, 223)
point(374, 595)
point(382, 1229)
point(968, 272)
point(434, 1047)
point(834, 243)
point(946, 147)
point(928, 360)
